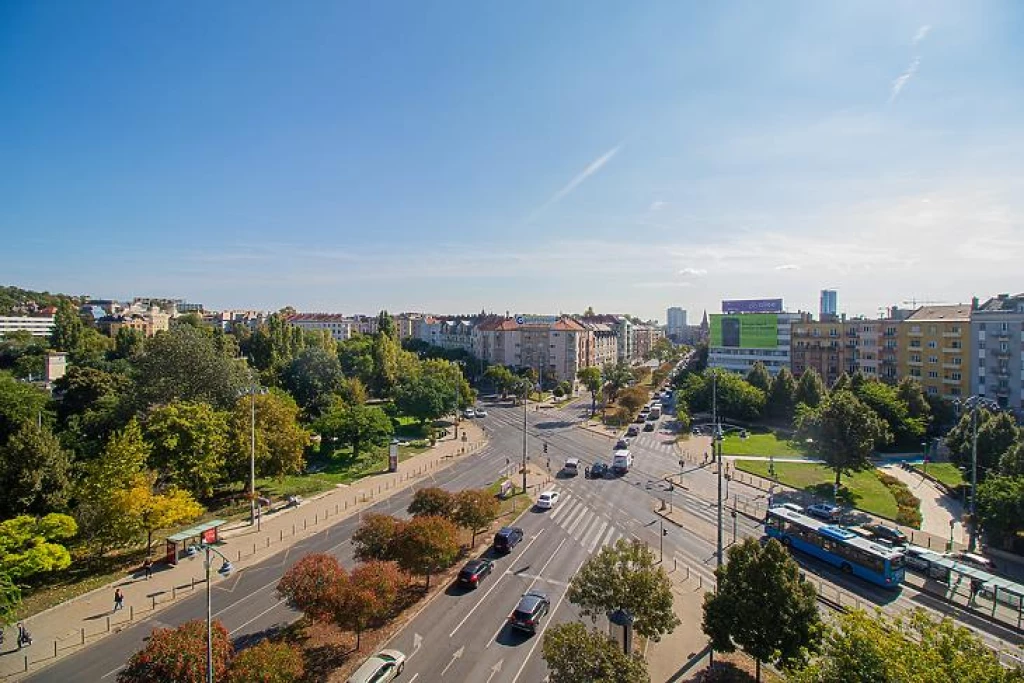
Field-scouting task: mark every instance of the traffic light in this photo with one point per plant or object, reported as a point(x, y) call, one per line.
point(545, 448)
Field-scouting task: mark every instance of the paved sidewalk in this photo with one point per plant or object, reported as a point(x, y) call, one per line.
point(681, 654)
point(66, 628)
point(937, 509)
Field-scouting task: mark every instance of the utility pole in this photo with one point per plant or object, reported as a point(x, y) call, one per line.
point(716, 452)
point(525, 402)
point(972, 538)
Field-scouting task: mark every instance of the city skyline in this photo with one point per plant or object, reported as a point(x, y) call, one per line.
point(350, 159)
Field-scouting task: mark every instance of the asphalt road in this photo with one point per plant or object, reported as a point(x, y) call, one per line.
point(462, 635)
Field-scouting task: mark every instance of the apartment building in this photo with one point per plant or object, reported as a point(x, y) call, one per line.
point(835, 346)
point(997, 371)
point(675, 327)
point(556, 347)
point(448, 334)
point(934, 347)
point(149, 323)
point(36, 325)
point(603, 344)
point(338, 325)
point(645, 336)
point(739, 340)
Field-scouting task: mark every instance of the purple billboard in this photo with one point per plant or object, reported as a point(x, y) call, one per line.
point(752, 306)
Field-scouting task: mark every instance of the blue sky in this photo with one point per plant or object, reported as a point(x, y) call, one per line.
point(529, 156)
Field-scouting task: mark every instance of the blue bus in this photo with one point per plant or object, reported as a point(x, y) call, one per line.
point(851, 553)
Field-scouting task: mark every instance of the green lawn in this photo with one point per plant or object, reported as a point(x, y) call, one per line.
point(863, 490)
point(760, 444)
point(946, 472)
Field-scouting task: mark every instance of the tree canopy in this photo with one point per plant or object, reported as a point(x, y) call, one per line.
point(575, 653)
point(844, 431)
point(190, 443)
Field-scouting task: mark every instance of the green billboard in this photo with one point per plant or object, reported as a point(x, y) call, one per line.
point(745, 331)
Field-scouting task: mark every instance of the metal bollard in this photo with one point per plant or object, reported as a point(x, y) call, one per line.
point(131, 612)
point(108, 624)
point(268, 541)
point(154, 601)
point(335, 508)
point(281, 533)
point(316, 519)
point(303, 523)
point(174, 591)
point(55, 649)
point(239, 556)
point(254, 548)
point(193, 583)
point(293, 529)
point(83, 636)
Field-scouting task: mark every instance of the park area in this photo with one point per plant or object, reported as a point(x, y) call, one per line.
point(945, 473)
point(766, 444)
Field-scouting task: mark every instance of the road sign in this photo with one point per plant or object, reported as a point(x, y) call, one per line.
point(520, 320)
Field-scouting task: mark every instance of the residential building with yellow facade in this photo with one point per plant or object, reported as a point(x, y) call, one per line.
point(934, 348)
point(838, 345)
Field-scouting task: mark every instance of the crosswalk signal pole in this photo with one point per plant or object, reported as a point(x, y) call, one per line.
point(661, 543)
point(525, 401)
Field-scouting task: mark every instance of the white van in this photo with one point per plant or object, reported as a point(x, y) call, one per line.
point(571, 467)
point(622, 460)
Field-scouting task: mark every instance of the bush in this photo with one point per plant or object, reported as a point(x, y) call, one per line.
point(558, 392)
point(267, 662)
point(908, 505)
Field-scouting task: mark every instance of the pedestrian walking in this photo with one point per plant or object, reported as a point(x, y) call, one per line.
point(118, 599)
point(24, 637)
point(147, 568)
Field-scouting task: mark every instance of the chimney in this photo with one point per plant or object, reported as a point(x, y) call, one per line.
point(974, 303)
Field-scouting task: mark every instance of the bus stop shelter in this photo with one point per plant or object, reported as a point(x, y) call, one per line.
point(178, 544)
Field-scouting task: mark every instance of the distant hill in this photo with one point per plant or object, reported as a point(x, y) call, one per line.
point(18, 301)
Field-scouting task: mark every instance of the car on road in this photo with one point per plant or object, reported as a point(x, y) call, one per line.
point(571, 467)
point(649, 426)
point(532, 607)
point(474, 572)
point(696, 431)
point(621, 443)
point(547, 500)
point(639, 419)
point(480, 412)
point(384, 666)
point(598, 470)
point(468, 412)
point(632, 431)
point(889, 534)
point(826, 511)
point(507, 538)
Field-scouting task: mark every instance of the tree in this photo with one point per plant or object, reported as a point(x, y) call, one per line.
point(683, 417)
point(864, 648)
point(475, 509)
point(267, 662)
point(616, 377)
point(179, 655)
point(386, 325)
point(35, 472)
point(626, 576)
point(153, 509)
point(377, 537)
point(129, 342)
point(10, 600)
point(810, 390)
point(82, 387)
point(759, 378)
point(433, 501)
point(781, 399)
point(736, 397)
point(885, 401)
point(19, 403)
point(591, 379)
point(842, 383)
point(909, 391)
point(1000, 508)
point(997, 433)
point(190, 444)
point(356, 425)
point(426, 398)
point(313, 585)
point(353, 391)
point(575, 653)
point(369, 596)
point(31, 545)
point(187, 364)
point(426, 545)
point(386, 350)
point(762, 605)
point(844, 431)
point(312, 378)
point(356, 356)
point(633, 398)
point(501, 377)
point(67, 327)
point(280, 440)
point(1011, 464)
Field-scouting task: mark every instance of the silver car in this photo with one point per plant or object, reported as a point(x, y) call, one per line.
point(384, 666)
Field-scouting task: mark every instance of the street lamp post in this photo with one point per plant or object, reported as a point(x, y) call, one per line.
point(716, 452)
point(525, 401)
point(251, 391)
point(225, 570)
point(973, 403)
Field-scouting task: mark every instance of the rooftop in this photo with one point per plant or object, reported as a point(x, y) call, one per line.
point(954, 313)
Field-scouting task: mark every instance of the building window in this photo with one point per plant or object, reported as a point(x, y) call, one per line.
point(933, 374)
point(933, 359)
point(932, 391)
point(954, 375)
point(932, 329)
point(957, 361)
point(933, 344)
point(981, 345)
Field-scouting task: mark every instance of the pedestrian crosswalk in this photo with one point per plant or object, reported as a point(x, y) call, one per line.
point(588, 528)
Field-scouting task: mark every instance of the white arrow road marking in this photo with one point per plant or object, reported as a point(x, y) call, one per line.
point(455, 655)
point(494, 669)
point(417, 643)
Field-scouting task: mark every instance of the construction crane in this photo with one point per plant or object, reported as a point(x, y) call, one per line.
point(915, 302)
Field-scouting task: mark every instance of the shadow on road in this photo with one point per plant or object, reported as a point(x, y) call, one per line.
point(512, 637)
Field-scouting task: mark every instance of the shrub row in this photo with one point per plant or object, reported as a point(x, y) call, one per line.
point(908, 505)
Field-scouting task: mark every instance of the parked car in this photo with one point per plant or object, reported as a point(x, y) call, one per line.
point(632, 431)
point(532, 607)
point(890, 534)
point(480, 412)
point(825, 511)
point(547, 500)
point(384, 666)
point(919, 559)
point(474, 572)
point(598, 470)
point(507, 538)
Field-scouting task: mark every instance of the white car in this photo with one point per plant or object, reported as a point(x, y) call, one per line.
point(384, 666)
point(480, 412)
point(468, 412)
point(547, 500)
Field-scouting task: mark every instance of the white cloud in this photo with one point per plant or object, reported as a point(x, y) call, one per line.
point(696, 272)
point(594, 166)
point(921, 34)
point(788, 266)
point(902, 80)
point(657, 206)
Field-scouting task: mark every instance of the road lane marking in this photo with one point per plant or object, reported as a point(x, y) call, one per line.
point(568, 520)
point(528, 588)
point(608, 536)
point(414, 677)
point(540, 636)
point(584, 510)
point(238, 628)
point(455, 656)
point(493, 586)
point(592, 542)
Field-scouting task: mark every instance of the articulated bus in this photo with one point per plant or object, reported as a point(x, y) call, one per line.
point(852, 554)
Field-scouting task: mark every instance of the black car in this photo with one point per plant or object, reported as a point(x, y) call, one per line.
point(887, 533)
point(507, 538)
point(474, 572)
point(532, 607)
point(640, 418)
point(598, 470)
point(632, 431)
point(649, 426)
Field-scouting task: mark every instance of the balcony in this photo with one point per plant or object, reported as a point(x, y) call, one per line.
point(952, 335)
point(912, 333)
point(913, 363)
point(953, 382)
point(951, 366)
point(952, 349)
